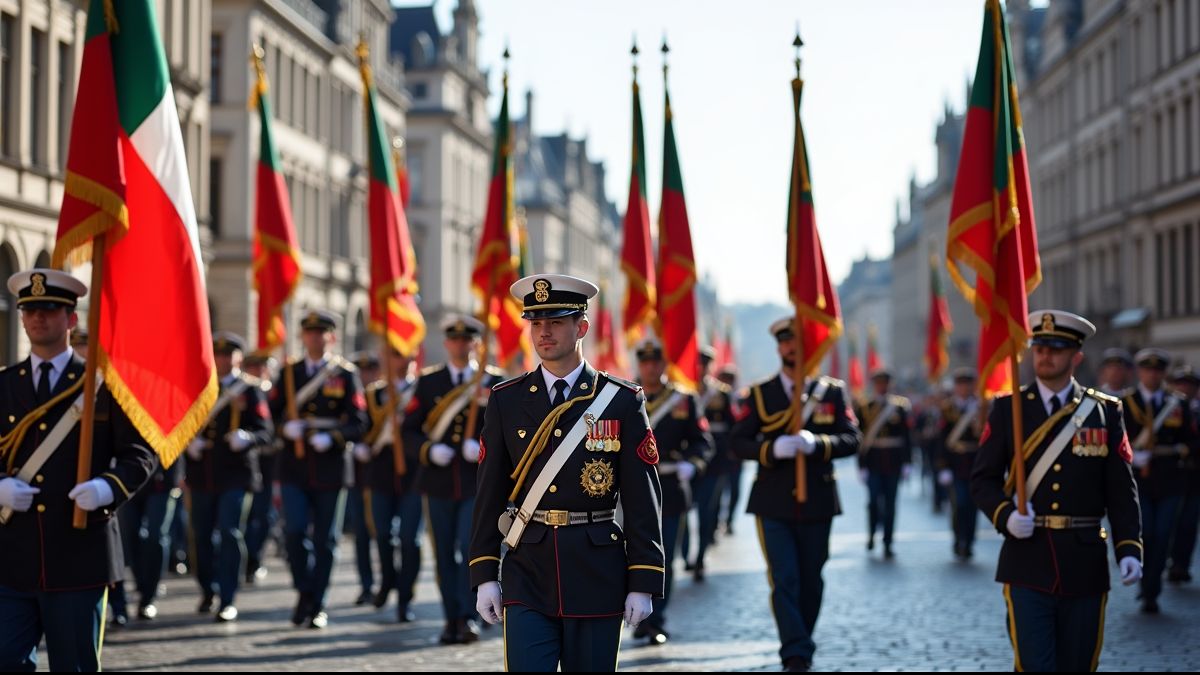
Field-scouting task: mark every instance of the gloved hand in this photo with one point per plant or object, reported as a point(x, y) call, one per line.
point(239, 439)
point(905, 471)
point(808, 441)
point(294, 429)
point(945, 478)
point(16, 494)
point(863, 474)
point(1131, 570)
point(92, 494)
point(686, 471)
point(786, 446)
point(441, 454)
point(195, 449)
point(321, 442)
point(637, 608)
point(487, 602)
point(1021, 526)
point(471, 450)
point(1141, 458)
point(362, 453)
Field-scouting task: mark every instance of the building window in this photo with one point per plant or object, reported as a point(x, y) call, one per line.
point(214, 195)
point(216, 45)
point(66, 82)
point(1160, 290)
point(420, 90)
point(1174, 276)
point(7, 114)
point(1189, 270)
point(37, 74)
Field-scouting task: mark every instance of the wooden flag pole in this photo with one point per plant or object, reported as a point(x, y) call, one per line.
point(83, 470)
point(797, 409)
point(473, 411)
point(390, 400)
point(293, 413)
point(1018, 465)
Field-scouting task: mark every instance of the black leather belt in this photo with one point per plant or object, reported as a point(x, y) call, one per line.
point(556, 517)
point(1066, 522)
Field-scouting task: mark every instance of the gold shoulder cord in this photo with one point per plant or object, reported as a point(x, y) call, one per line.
point(446, 402)
point(1035, 439)
point(542, 436)
point(12, 440)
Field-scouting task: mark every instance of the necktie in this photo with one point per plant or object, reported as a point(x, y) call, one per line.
point(458, 378)
point(1055, 404)
point(43, 387)
point(560, 393)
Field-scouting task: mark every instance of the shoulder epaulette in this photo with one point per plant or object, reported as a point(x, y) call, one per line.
point(900, 401)
point(628, 384)
point(493, 370)
point(509, 382)
point(345, 364)
point(834, 382)
point(429, 370)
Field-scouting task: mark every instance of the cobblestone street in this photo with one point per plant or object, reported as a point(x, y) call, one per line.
point(922, 611)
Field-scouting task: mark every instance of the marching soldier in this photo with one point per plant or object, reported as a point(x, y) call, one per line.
point(1186, 382)
point(559, 445)
point(733, 483)
point(222, 474)
point(1116, 372)
point(957, 448)
point(715, 400)
point(884, 457)
point(1163, 432)
point(795, 535)
point(435, 427)
point(258, 368)
point(685, 448)
point(393, 493)
point(358, 499)
point(53, 577)
point(330, 411)
point(1053, 563)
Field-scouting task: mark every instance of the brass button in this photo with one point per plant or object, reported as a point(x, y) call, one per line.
point(21, 371)
point(312, 407)
point(1055, 487)
point(614, 536)
point(39, 478)
point(1054, 506)
point(558, 433)
point(70, 376)
point(456, 438)
point(533, 387)
point(41, 508)
point(553, 489)
point(1058, 467)
point(42, 426)
point(458, 427)
point(584, 387)
point(12, 418)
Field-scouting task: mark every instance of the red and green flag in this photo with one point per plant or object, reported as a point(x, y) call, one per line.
point(992, 231)
point(857, 381)
point(874, 361)
point(637, 255)
point(394, 312)
point(276, 253)
point(937, 339)
point(610, 357)
point(676, 300)
point(127, 185)
point(723, 346)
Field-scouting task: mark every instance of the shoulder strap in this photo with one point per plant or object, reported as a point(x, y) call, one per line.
point(310, 388)
point(964, 421)
point(810, 405)
point(233, 391)
point(1168, 408)
point(460, 397)
point(1056, 447)
point(384, 437)
point(877, 423)
point(666, 407)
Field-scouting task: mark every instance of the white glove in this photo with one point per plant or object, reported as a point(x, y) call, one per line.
point(441, 454)
point(786, 447)
point(686, 471)
point(294, 429)
point(945, 478)
point(1021, 526)
point(808, 441)
point(362, 453)
point(239, 439)
point(471, 450)
point(195, 449)
point(905, 471)
point(321, 442)
point(487, 602)
point(1141, 458)
point(1131, 570)
point(637, 608)
point(16, 494)
point(92, 494)
point(863, 474)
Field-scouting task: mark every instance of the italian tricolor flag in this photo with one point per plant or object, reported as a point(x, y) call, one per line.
point(127, 183)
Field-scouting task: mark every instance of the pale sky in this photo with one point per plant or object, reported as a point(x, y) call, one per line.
point(877, 76)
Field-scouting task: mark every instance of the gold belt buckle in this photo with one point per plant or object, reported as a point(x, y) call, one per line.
point(1057, 522)
point(556, 517)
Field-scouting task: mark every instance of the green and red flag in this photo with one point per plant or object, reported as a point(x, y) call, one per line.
point(992, 231)
point(496, 263)
point(610, 357)
point(723, 346)
point(276, 251)
point(856, 381)
point(127, 184)
point(676, 300)
point(637, 254)
point(394, 312)
point(937, 339)
point(809, 285)
point(874, 362)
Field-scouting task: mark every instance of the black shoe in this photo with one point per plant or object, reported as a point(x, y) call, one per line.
point(467, 631)
point(871, 543)
point(319, 619)
point(449, 634)
point(641, 631)
point(657, 636)
point(226, 614)
point(364, 597)
point(698, 573)
point(303, 610)
point(147, 612)
point(1178, 576)
point(118, 622)
point(1149, 607)
point(796, 664)
point(688, 567)
point(888, 553)
point(206, 604)
point(404, 614)
point(381, 597)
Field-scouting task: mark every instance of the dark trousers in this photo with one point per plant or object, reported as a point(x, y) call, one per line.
point(534, 642)
point(387, 508)
point(358, 512)
point(671, 531)
point(735, 492)
point(145, 522)
point(72, 621)
point(450, 525)
point(929, 473)
point(881, 504)
point(258, 526)
point(795, 553)
point(220, 516)
point(708, 501)
point(311, 556)
point(964, 515)
point(1158, 520)
point(1185, 533)
point(1054, 632)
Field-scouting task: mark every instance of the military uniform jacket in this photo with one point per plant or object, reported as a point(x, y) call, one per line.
point(583, 570)
point(220, 468)
point(456, 480)
point(958, 457)
point(766, 415)
point(42, 551)
point(381, 470)
point(340, 408)
point(717, 400)
point(892, 447)
point(1175, 440)
point(682, 436)
point(1091, 478)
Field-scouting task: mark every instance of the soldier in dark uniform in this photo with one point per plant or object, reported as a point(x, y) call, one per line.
point(1186, 383)
point(261, 517)
point(1053, 563)
point(358, 498)
point(885, 456)
point(715, 399)
point(435, 427)
point(685, 448)
point(53, 577)
point(958, 445)
point(795, 535)
point(1163, 434)
point(222, 474)
point(575, 572)
point(733, 482)
point(314, 468)
point(393, 493)
point(1116, 372)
